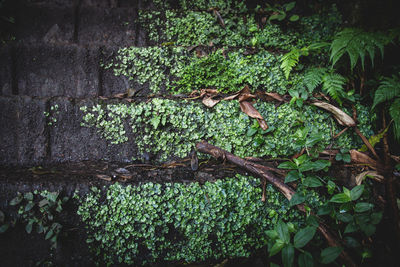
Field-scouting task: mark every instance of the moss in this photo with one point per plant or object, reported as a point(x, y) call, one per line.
point(179, 222)
point(170, 128)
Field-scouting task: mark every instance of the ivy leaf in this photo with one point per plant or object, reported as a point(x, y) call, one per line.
point(312, 181)
point(28, 227)
point(155, 122)
point(306, 260)
point(283, 232)
point(330, 254)
point(288, 256)
point(29, 206)
point(16, 200)
point(340, 198)
point(363, 206)
point(3, 228)
point(292, 176)
point(304, 236)
point(356, 192)
point(279, 244)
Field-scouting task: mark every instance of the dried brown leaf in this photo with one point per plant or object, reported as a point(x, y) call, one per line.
point(231, 97)
point(210, 102)
point(248, 108)
point(340, 116)
point(275, 96)
point(361, 158)
point(373, 174)
point(104, 177)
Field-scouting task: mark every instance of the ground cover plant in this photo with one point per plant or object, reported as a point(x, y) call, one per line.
point(317, 77)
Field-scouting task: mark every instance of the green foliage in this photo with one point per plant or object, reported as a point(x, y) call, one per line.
point(41, 209)
point(280, 12)
point(389, 90)
point(171, 128)
point(281, 241)
point(181, 222)
point(291, 59)
point(357, 43)
point(332, 83)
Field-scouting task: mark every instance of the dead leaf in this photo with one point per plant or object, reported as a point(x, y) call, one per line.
point(373, 174)
point(231, 97)
point(340, 116)
point(210, 92)
point(210, 102)
point(120, 95)
point(275, 96)
point(104, 177)
point(194, 161)
point(219, 18)
point(361, 158)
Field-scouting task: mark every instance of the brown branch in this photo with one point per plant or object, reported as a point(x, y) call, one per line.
point(366, 142)
point(286, 190)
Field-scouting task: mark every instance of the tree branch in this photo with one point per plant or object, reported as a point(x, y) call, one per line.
point(262, 172)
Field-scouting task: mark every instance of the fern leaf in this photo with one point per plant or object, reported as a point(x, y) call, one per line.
point(395, 114)
point(388, 89)
point(333, 85)
point(356, 43)
point(313, 78)
point(289, 60)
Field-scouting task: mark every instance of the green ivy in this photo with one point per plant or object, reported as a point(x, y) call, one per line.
point(181, 222)
point(170, 128)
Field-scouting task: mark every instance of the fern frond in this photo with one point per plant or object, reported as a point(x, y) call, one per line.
point(313, 78)
point(333, 85)
point(289, 60)
point(356, 43)
point(395, 114)
point(388, 89)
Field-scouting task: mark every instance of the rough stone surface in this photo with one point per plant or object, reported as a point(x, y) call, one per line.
point(100, 26)
point(57, 70)
point(9, 130)
point(69, 141)
point(48, 23)
point(22, 135)
point(5, 70)
point(32, 141)
point(112, 84)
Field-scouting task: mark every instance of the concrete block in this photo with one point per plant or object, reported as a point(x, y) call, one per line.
point(57, 70)
point(115, 26)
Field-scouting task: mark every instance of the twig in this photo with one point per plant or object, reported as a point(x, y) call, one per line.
point(366, 142)
point(286, 190)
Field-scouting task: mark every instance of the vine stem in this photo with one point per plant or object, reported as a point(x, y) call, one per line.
point(262, 172)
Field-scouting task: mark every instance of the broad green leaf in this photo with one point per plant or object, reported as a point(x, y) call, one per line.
point(292, 176)
point(315, 166)
point(304, 236)
point(312, 181)
point(297, 199)
point(340, 198)
point(277, 247)
point(251, 131)
point(325, 209)
point(330, 254)
point(350, 228)
point(283, 232)
point(363, 206)
point(306, 260)
point(356, 192)
point(338, 157)
point(331, 186)
point(287, 165)
point(312, 220)
point(294, 18)
point(344, 217)
point(368, 229)
point(272, 234)
point(289, 6)
point(288, 256)
point(376, 217)
point(351, 242)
